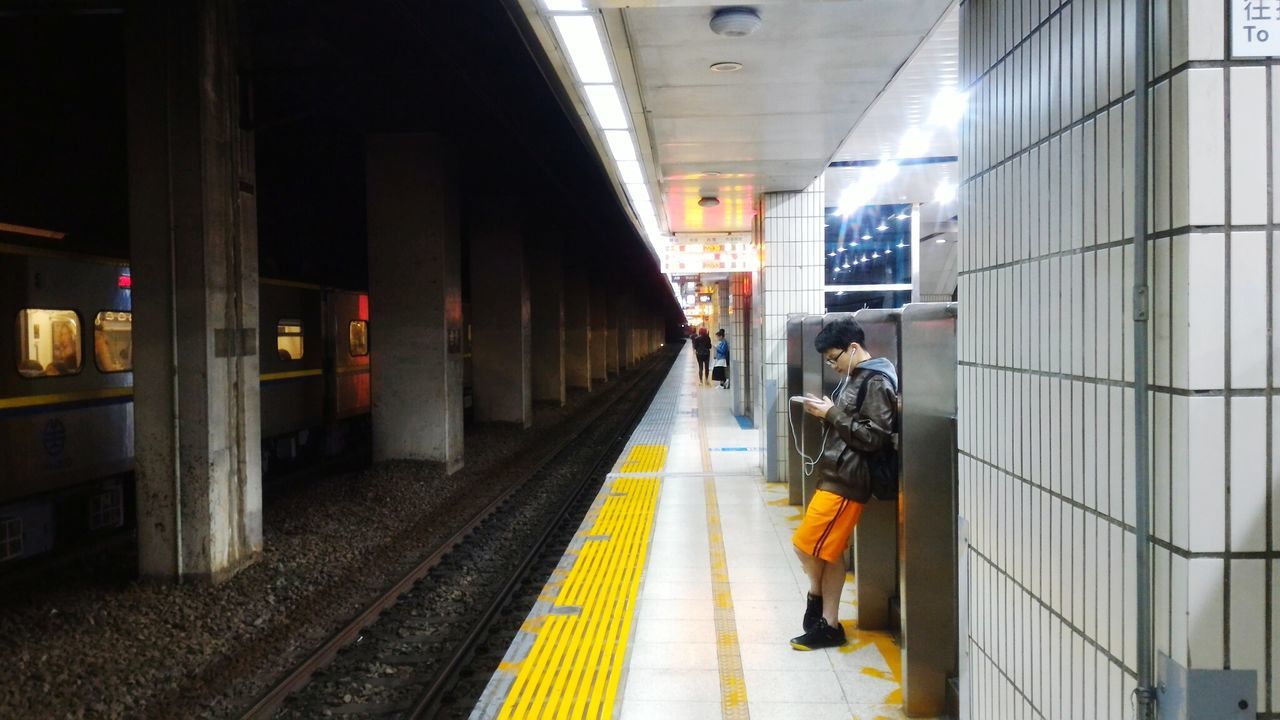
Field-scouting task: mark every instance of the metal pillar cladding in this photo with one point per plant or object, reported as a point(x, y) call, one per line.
point(193, 232)
point(599, 316)
point(795, 413)
point(811, 367)
point(927, 553)
point(876, 539)
point(415, 288)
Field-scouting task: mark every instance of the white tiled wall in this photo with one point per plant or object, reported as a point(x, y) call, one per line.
point(791, 282)
point(1046, 400)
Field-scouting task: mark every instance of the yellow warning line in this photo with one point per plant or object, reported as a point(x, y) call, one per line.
point(733, 683)
point(577, 660)
point(289, 375)
point(23, 401)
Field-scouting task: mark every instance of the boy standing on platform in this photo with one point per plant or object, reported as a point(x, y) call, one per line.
point(857, 424)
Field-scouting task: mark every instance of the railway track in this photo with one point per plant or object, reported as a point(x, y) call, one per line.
point(402, 655)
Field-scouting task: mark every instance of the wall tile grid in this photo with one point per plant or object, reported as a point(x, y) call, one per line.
point(1045, 343)
point(739, 327)
point(791, 281)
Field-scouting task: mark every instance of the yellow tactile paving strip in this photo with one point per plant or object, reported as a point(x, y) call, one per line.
point(577, 660)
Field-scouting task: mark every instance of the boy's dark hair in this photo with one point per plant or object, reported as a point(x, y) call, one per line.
point(720, 332)
point(839, 334)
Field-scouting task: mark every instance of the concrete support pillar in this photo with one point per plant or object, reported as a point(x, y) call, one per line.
point(415, 290)
point(613, 345)
point(502, 343)
point(600, 335)
point(625, 337)
point(577, 330)
point(193, 235)
point(547, 291)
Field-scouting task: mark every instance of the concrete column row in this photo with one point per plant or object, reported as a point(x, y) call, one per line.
point(541, 328)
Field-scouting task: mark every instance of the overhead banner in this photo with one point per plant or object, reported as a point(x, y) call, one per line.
point(712, 255)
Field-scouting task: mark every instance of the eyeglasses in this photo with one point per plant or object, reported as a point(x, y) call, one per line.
point(831, 362)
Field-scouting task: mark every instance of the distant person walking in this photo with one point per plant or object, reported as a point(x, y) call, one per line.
point(702, 351)
point(720, 366)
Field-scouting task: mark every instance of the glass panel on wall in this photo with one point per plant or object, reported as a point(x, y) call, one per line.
point(870, 247)
point(48, 342)
point(289, 339)
point(113, 341)
point(358, 338)
point(855, 300)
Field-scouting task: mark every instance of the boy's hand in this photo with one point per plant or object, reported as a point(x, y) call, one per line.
point(817, 405)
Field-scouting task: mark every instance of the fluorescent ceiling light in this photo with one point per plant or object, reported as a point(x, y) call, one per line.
point(914, 143)
point(948, 107)
point(629, 170)
point(586, 53)
point(620, 145)
point(945, 193)
point(565, 5)
point(606, 106)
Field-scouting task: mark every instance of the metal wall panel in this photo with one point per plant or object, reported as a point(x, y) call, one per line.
point(927, 553)
point(875, 541)
point(795, 414)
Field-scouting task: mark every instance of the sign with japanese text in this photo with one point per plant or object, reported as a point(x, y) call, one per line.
point(1255, 28)
point(719, 255)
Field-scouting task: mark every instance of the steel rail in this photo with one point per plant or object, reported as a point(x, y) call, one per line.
point(297, 678)
point(430, 700)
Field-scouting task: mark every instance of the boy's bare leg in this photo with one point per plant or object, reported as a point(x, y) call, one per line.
point(832, 587)
point(813, 569)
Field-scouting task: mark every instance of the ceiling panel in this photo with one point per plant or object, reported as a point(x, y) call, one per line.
point(809, 73)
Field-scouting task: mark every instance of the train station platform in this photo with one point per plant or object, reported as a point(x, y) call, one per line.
point(679, 593)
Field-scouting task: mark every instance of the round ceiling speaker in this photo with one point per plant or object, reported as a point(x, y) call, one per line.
point(735, 21)
point(708, 202)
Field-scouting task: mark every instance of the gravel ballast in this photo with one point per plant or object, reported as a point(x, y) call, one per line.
point(88, 641)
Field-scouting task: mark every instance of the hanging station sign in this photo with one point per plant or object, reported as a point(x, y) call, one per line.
point(711, 255)
point(1255, 28)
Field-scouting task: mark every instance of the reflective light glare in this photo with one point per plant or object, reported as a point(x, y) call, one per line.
point(888, 251)
point(606, 106)
point(882, 227)
point(620, 145)
point(875, 255)
point(867, 236)
point(945, 193)
point(831, 254)
point(902, 245)
point(846, 265)
point(941, 240)
point(586, 52)
point(564, 5)
point(629, 170)
point(914, 143)
point(840, 249)
point(948, 107)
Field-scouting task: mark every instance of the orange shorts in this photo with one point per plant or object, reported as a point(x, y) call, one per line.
point(828, 523)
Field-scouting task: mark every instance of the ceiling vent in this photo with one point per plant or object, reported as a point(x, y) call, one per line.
point(735, 21)
point(708, 202)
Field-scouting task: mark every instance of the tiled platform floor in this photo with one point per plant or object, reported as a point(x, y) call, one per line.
point(650, 649)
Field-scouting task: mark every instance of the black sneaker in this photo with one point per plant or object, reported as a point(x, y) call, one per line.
point(812, 611)
point(821, 636)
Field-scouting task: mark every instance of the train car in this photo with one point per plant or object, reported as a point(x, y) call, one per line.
point(66, 397)
point(66, 389)
point(292, 348)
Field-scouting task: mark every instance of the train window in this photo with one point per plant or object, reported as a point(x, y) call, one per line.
point(289, 339)
point(48, 342)
point(10, 537)
point(358, 338)
point(113, 341)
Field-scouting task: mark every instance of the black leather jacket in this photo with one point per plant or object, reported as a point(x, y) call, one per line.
point(842, 469)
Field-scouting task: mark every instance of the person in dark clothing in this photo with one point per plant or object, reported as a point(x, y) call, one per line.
point(852, 432)
point(702, 351)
